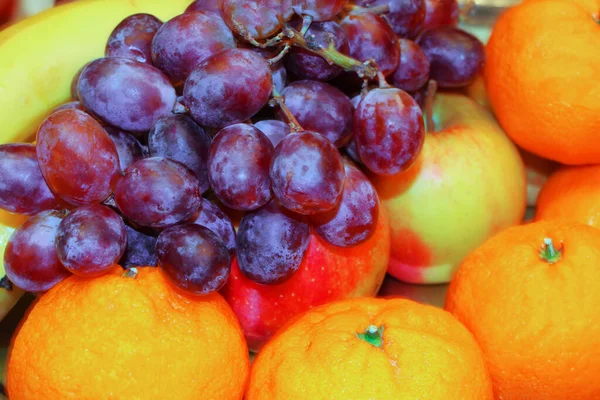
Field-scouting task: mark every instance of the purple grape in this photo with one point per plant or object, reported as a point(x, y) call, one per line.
point(205, 5)
point(389, 130)
point(319, 10)
point(30, 257)
point(212, 217)
point(275, 130)
point(157, 192)
point(441, 13)
point(305, 64)
point(128, 147)
point(271, 244)
point(125, 93)
point(132, 38)
point(188, 39)
point(23, 189)
point(307, 173)
point(278, 71)
point(355, 219)
point(413, 71)
point(256, 18)
point(90, 240)
point(140, 250)
point(179, 138)
point(193, 259)
point(238, 167)
point(406, 17)
point(227, 88)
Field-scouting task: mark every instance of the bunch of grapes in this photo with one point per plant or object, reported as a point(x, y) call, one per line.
point(236, 129)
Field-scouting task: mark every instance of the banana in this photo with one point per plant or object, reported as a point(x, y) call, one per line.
point(39, 56)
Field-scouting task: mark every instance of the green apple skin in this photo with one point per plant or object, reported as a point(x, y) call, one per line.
point(467, 184)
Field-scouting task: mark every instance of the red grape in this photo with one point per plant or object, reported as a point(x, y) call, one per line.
point(413, 71)
point(256, 18)
point(275, 130)
point(128, 147)
point(70, 105)
point(319, 10)
point(205, 5)
point(132, 38)
point(441, 13)
point(307, 173)
point(90, 240)
point(30, 257)
point(193, 259)
point(322, 108)
point(78, 159)
point(157, 192)
point(305, 64)
point(212, 217)
point(228, 87)
point(355, 219)
point(456, 56)
point(179, 138)
point(406, 17)
point(125, 93)
point(23, 189)
point(389, 130)
point(371, 37)
point(238, 167)
point(140, 250)
point(186, 40)
point(271, 244)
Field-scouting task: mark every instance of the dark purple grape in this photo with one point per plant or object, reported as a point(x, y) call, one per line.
point(23, 189)
point(188, 39)
point(406, 17)
point(179, 138)
point(228, 87)
point(157, 192)
point(205, 5)
point(413, 71)
point(319, 10)
point(238, 167)
point(30, 257)
point(77, 158)
point(132, 38)
point(90, 240)
point(305, 64)
point(193, 259)
point(371, 38)
point(212, 217)
point(441, 13)
point(256, 18)
point(389, 130)
point(355, 219)
point(275, 130)
point(456, 56)
point(307, 173)
point(140, 250)
point(322, 108)
point(271, 244)
point(128, 147)
point(127, 94)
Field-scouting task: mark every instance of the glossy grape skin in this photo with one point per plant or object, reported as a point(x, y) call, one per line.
point(212, 217)
point(322, 108)
point(406, 17)
point(413, 71)
point(371, 37)
point(125, 93)
point(227, 88)
point(90, 240)
point(157, 192)
point(193, 259)
point(23, 189)
point(140, 250)
point(238, 167)
point(179, 138)
point(205, 5)
point(456, 56)
point(132, 38)
point(441, 13)
point(319, 10)
point(355, 219)
point(188, 39)
point(77, 158)
point(271, 243)
point(307, 173)
point(389, 130)
point(304, 64)
point(128, 147)
point(274, 129)
point(30, 257)
point(256, 18)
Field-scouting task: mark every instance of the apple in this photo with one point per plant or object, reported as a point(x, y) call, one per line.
point(467, 184)
point(327, 273)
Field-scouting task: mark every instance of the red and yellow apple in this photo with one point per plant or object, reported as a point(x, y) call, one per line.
point(467, 184)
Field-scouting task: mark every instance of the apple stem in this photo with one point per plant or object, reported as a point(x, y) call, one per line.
point(278, 101)
point(373, 335)
point(549, 253)
point(131, 273)
point(428, 106)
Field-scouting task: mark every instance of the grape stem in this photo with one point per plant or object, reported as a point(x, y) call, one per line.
point(465, 11)
point(428, 106)
point(279, 56)
point(278, 101)
point(306, 22)
point(356, 9)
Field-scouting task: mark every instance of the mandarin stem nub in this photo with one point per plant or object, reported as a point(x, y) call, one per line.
point(549, 253)
point(373, 335)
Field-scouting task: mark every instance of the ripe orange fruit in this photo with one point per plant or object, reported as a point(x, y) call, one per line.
point(571, 193)
point(531, 297)
point(118, 337)
point(541, 75)
point(369, 348)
